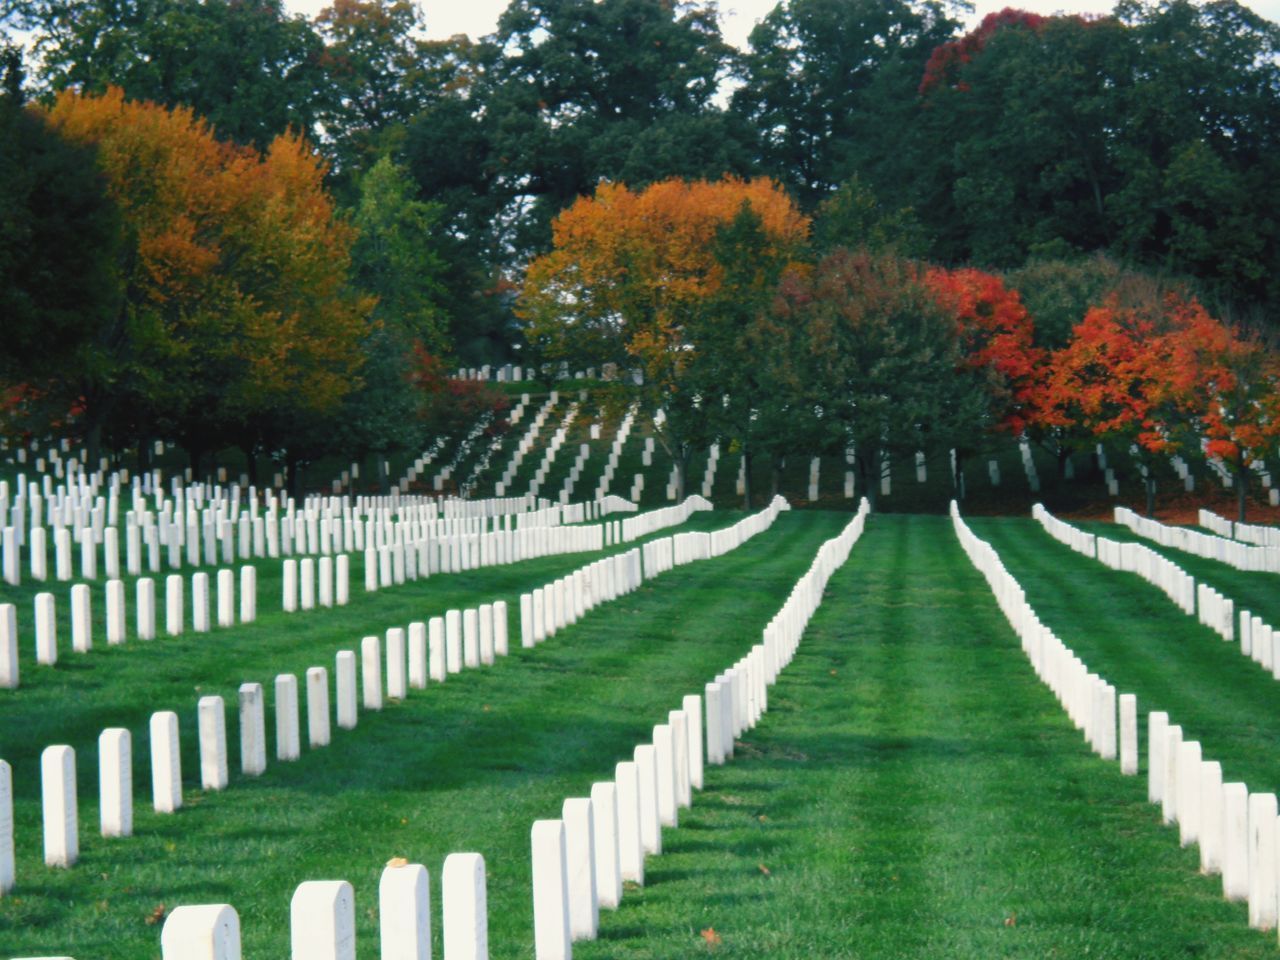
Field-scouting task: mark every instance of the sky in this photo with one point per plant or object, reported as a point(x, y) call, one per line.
point(478, 17)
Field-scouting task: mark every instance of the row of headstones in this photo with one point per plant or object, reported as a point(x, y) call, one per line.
point(552, 449)
point(1237, 832)
point(564, 601)
point(463, 450)
point(410, 561)
point(1216, 611)
point(308, 581)
point(709, 478)
point(575, 471)
point(525, 445)
point(444, 645)
point(1159, 571)
point(719, 542)
point(1241, 556)
point(615, 452)
point(579, 862)
point(652, 521)
point(1260, 642)
point(1256, 534)
point(202, 611)
point(262, 536)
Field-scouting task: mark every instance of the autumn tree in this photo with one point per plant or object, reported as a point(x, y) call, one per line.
point(997, 346)
point(237, 314)
point(1111, 381)
point(1225, 385)
point(630, 275)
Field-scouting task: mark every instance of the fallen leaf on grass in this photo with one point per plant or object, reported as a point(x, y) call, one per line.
point(711, 937)
point(1011, 920)
point(156, 915)
point(397, 862)
point(764, 869)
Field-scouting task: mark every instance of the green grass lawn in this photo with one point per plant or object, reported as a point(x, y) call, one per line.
point(914, 791)
point(467, 765)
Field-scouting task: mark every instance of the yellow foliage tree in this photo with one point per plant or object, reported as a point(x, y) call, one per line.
point(632, 273)
point(237, 308)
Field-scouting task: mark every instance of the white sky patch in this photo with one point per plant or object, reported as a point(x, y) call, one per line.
point(476, 18)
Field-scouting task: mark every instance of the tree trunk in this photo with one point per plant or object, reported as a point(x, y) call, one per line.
point(384, 478)
point(1242, 487)
point(870, 484)
point(194, 455)
point(1150, 483)
point(144, 455)
point(1063, 455)
point(682, 467)
point(93, 443)
point(746, 479)
point(958, 479)
point(251, 463)
point(775, 477)
point(293, 475)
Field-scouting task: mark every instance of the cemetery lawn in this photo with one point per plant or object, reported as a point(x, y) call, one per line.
point(914, 791)
point(465, 765)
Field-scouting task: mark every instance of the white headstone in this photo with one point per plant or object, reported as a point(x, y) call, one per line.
point(207, 932)
point(404, 912)
point(453, 640)
point(464, 906)
point(436, 649)
point(115, 612)
point(371, 672)
point(46, 629)
point(288, 745)
point(1262, 861)
point(647, 775)
point(115, 782)
point(345, 669)
point(58, 800)
point(146, 600)
point(604, 813)
point(322, 921)
point(317, 706)
point(396, 681)
point(552, 939)
point(166, 762)
point(630, 839)
point(6, 828)
point(500, 641)
point(664, 754)
point(8, 646)
point(212, 717)
point(1235, 841)
point(81, 619)
point(580, 868)
point(1128, 734)
point(253, 730)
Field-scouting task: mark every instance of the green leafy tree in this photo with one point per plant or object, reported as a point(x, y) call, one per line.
point(829, 90)
point(250, 69)
point(59, 240)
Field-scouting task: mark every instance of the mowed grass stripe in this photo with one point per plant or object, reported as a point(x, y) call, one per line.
point(83, 694)
point(915, 792)
point(1257, 592)
point(466, 765)
point(1130, 633)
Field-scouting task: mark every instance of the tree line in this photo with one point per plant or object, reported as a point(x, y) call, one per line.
point(1030, 145)
point(758, 326)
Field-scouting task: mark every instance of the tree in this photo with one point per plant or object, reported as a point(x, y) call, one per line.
point(245, 66)
point(829, 90)
point(1226, 386)
point(236, 308)
point(630, 274)
point(883, 358)
point(997, 345)
point(59, 239)
point(1111, 381)
point(745, 368)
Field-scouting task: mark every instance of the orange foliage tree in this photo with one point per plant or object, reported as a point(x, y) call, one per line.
point(997, 343)
point(630, 274)
point(1112, 380)
point(237, 321)
point(1227, 386)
